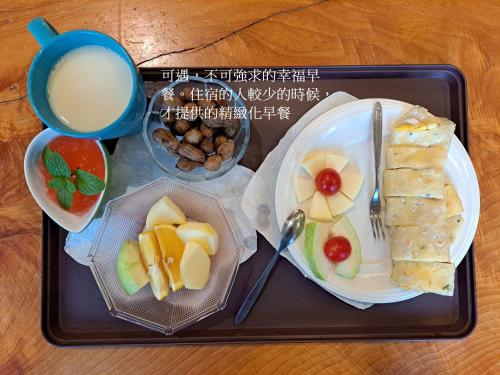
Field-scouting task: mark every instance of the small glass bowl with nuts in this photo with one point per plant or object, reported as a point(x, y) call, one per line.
point(196, 130)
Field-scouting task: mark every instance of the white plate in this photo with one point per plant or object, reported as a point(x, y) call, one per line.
point(36, 184)
point(348, 130)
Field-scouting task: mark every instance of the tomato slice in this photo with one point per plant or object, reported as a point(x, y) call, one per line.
point(328, 181)
point(337, 249)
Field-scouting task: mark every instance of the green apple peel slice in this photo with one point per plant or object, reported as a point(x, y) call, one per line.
point(316, 234)
point(131, 272)
point(349, 268)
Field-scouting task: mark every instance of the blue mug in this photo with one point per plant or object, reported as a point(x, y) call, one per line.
point(54, 46)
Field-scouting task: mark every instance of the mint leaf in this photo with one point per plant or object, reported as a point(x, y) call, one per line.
point(55, 163)
point(88, 183)
point(64, 191)
point(57, 183)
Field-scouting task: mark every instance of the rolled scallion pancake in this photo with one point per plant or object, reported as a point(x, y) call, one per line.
point(418, 127)
point(413, 211)
point(429, 277)
point(430, 243)
point(453, 203)
point(454, 223)
point(425, 183)
point(416, 157)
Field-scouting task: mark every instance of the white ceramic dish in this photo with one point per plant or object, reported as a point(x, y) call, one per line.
point(36, 184)
point(348, 130)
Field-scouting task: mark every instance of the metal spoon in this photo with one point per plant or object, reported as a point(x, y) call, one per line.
point(293, 226)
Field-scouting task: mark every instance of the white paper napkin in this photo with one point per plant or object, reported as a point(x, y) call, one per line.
point(258, 199)
point(132, 167)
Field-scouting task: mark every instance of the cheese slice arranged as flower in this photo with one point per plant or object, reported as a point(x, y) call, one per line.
point(324, 207)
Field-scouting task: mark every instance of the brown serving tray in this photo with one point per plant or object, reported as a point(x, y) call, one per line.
point(291, 307)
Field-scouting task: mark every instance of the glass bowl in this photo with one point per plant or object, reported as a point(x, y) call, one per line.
point(167, 160)
point(124, 219)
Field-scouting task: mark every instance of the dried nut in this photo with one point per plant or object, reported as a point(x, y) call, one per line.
point(226, 150)
point(167, 118)
point(204, 103)
point(186, 94)
point(231, 129)
point(187, 165)
point(191, 152)
point(213, 122)
point(166, 139)
point(223, 102)
point(220, 139)
point(206, 131)
point(193, 136)
point(207, 146)
point(171, 103)
point(213, 162)
point(191, 111)
point(181, 126)
point(213, 115)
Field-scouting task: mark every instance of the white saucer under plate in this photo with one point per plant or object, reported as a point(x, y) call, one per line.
point(348, 130)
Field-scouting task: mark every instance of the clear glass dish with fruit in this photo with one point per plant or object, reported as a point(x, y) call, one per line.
point(196, 130)
point(166, 256)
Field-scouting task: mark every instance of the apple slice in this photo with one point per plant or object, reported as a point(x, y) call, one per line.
point(351, 184)
point(336, 162)
point(316, 234)
point(202, 233)
point(164, 211)
point(338, 204)
point(319, 208)
point(314, 164)
point(349, 268)
point(131, 271)
point(304, 187)
point(195, 266)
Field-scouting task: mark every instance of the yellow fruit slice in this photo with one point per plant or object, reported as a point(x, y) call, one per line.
point(351, 184)
point(202, 233)
point(195, 266)
point(336, 162)
point(151, 258)
point(304, 187)
point(164, 212)
point(314, 164)
point(338, 203)
point(171, 248)
point(319, 208)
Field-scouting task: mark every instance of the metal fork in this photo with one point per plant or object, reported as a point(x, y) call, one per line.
point(375, 215)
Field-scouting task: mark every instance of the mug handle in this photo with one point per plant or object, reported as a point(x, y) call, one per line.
point(43, 31)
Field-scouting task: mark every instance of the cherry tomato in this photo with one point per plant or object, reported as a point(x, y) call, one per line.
point(328, 181)
point(337, 249)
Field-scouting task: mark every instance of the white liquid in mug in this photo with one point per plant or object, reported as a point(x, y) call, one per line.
point(89, 88)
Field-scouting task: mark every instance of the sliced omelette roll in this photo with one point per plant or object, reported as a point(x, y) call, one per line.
point(453, 203)
point(430, 243)
point(416, 157)
point(428, 277)
point(425, 183)
point(413, 211)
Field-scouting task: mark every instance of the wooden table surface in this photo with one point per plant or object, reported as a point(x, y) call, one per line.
point(246, 33)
